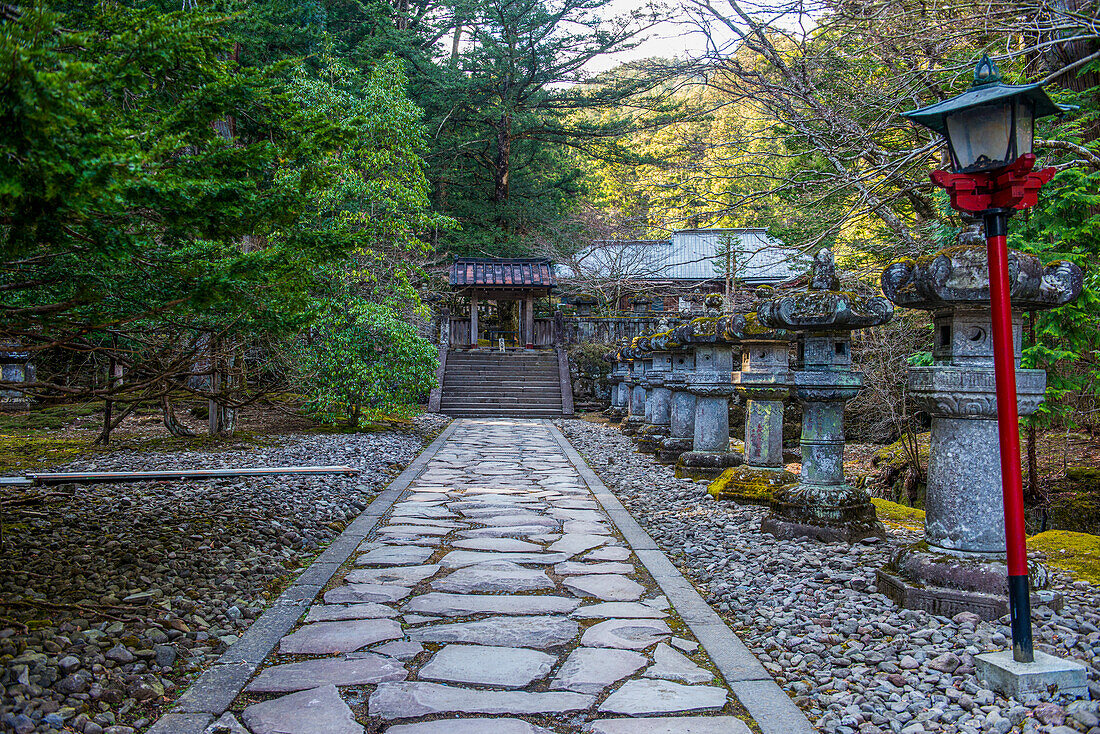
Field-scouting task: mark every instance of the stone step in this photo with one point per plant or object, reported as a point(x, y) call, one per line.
point(474, 412)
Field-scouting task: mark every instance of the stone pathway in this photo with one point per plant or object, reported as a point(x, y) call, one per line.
point(496, 587)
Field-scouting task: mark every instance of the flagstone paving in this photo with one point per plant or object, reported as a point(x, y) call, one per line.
point(496, 587)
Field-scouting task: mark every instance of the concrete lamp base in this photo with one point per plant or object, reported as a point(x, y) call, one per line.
point(1047, 674)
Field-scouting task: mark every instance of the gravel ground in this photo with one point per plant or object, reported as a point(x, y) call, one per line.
point(849, 657)
point(113, 595)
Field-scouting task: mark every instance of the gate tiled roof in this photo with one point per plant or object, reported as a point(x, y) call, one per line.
point(502, 273)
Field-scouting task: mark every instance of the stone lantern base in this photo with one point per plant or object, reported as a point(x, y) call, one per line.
point(614, 414)
point(829, 513)
point(631, 424)
point(649, 438)
point(706, 464)
point(751, 485)
point(672, 448)
point(945, 583)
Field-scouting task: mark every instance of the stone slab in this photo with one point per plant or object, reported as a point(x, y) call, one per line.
point(399, 649)
point(606, 587)
point(462, 605)
point(338, 612)
point(413, 530)
point(395, 555)
point(608, 553)
point(535, 631)
point(618, 609)
point(503, 667)
point(573, 543)
point(460, 558)
point(504, 545)
point(407, 700)
point(626, 634)
point(513, 520)
point(1000, 672)
point(402, 575)
point(494, 576)
point(356, 593)
point(356, 669)
point(321, 638)
point(504, 532)
point(671, 665)
point(496, 725)
point(575, 568)
point(670, 725)
point(592, 669)
point(227, 723)
point(641, 697)
point(306, 712)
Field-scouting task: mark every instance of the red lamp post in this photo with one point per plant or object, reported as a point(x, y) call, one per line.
point(989, 130)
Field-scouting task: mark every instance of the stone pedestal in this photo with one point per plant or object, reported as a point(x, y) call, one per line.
point(619, 390)
point(960, 565)
point(711, 384)
point(764, 383)
point(658, 403)
point(1029, 681)
point(823, 505)
point(681, 429)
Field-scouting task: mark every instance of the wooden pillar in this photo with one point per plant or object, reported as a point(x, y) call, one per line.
point(529, 320)
point(473, 319)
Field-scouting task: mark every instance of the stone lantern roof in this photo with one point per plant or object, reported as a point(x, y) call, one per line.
point(824, 307)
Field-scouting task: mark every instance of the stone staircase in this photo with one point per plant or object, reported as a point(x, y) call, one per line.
point(486, 384)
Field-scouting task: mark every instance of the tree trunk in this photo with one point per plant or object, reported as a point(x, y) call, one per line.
point(171, 422)
point(503, 160)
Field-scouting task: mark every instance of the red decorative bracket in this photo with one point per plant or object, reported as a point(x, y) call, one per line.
point(1014, 187)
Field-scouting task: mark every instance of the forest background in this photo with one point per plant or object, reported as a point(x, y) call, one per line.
point(225, 198)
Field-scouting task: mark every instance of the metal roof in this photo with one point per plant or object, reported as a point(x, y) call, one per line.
point(695, 255)
point(502, 273)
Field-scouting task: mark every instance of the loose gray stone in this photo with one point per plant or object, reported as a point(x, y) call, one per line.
point(505, 667)
point(640, 697)
point(539, 632)
point(591, 669)
point(607, 587)
point(320, 638)
point(671, 665)
point(402, 575)
point(307, 712)
point(337, 612)
point(669, 725)
point(355, 593)
point(395, 555)
point(462, 605)
point(406, 700)
point(357, 669)
point(627, 634)
point(494, 576)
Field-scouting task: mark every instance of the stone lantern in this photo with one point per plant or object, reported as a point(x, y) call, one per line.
point(619, 388)
point(961, 565)
point(823, 505)
point(712, 339)
point(16, 368)
point(764, 383)
point(659, 397)
point(681, 423)
point(635, 418)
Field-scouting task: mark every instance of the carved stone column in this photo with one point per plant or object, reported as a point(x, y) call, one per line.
point(617, 380)
point(764, 383)
point(635, 418)
point(712, 339)
point(681, 428)
point(960, 566)
point(659, 397)
point(823, 505)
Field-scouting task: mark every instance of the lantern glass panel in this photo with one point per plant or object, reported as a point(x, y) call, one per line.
point(1025, 127)
point(981, 137)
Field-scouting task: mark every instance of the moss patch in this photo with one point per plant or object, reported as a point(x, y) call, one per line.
point(897, 515)
point(1076, 553)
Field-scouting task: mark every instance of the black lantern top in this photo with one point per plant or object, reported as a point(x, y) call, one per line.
point(989, 126)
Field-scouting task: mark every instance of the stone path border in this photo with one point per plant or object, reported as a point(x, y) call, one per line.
point(215, 690)
point(773, 710)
